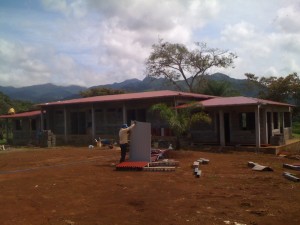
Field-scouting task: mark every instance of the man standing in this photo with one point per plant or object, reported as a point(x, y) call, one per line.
point(123, 135)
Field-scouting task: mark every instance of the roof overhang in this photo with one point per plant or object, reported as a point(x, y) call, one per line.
point(22, 115)
point(131, 97)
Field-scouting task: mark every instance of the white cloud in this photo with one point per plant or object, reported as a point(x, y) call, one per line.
point(74, 8)
point(95, 42)
point(288, 19)
point(241, 32)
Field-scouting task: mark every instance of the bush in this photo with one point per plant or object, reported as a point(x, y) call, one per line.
point(296, 129)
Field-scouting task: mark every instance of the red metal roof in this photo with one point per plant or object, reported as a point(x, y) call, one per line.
point(21, 115)
point(131, 165)
point(239, 100)
point(131, 96)
point(236, 101)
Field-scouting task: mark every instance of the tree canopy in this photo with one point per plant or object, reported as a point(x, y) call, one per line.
point(282, 89)
point(175, 61)
point(180, 120)
point(97, 91)
point(20, 106)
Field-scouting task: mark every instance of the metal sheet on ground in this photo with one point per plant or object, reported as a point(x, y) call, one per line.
point(140, 142)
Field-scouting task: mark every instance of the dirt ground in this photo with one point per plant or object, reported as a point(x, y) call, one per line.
point(70, 186)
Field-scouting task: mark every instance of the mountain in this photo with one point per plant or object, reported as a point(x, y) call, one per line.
point(240, 85)
point(135, 85)
point(150, 84)
point(50, 92)
point(43, 92)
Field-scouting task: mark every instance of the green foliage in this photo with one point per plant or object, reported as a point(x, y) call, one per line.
point(296, 129)
point(175, 61)
point(216, 88)
point(98, 91)
point(281, 89)
point(20, 106)
point(180, 120)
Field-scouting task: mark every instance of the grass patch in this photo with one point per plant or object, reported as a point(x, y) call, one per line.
point(296, 129)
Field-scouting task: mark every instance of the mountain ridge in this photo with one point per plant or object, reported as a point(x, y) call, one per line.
point(48, 92)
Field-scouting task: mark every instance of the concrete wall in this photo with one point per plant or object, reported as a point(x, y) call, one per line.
point(108, 117)
point(237, 135)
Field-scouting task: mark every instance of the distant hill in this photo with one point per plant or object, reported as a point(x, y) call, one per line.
point(149, 84)
point(43, 92)
point(49, 92)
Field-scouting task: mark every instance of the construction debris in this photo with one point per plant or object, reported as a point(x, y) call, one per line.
point(165, 165)
point(196, 164)
point(157, 154)
point(160, 169)
point(258, 167)
point(197, 172)
point(131, 166)
point(292, 167)
point(296, 157)
point(165, 162)
point(203, 161)
point(291, 176)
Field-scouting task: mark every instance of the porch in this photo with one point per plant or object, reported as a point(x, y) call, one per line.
point(292, 146)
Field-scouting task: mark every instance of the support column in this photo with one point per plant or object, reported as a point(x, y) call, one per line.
point(30, 127)
point(290, 114)
point(257, 126)
point(93, 123)
point(222, 129)
point(65, 125)
point(124, 114)
point(8, 129)
point(282, 122)
point(272, 123)
point(42, 121)
point(265, 128)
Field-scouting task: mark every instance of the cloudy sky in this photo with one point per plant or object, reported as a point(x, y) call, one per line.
point(93, 42)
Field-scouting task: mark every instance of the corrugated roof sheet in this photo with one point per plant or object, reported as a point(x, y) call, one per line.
point(131, 165)
point(130, 96)
point(236, 101)
point(22, 115)
point(239, 100)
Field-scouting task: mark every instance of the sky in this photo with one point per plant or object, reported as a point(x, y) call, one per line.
point(94, 42)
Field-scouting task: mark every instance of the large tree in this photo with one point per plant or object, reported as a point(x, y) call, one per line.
point(181, 120)
point(280, 89)
point(175, 61)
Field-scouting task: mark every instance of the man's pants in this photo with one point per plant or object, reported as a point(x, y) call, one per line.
point(123, 152)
